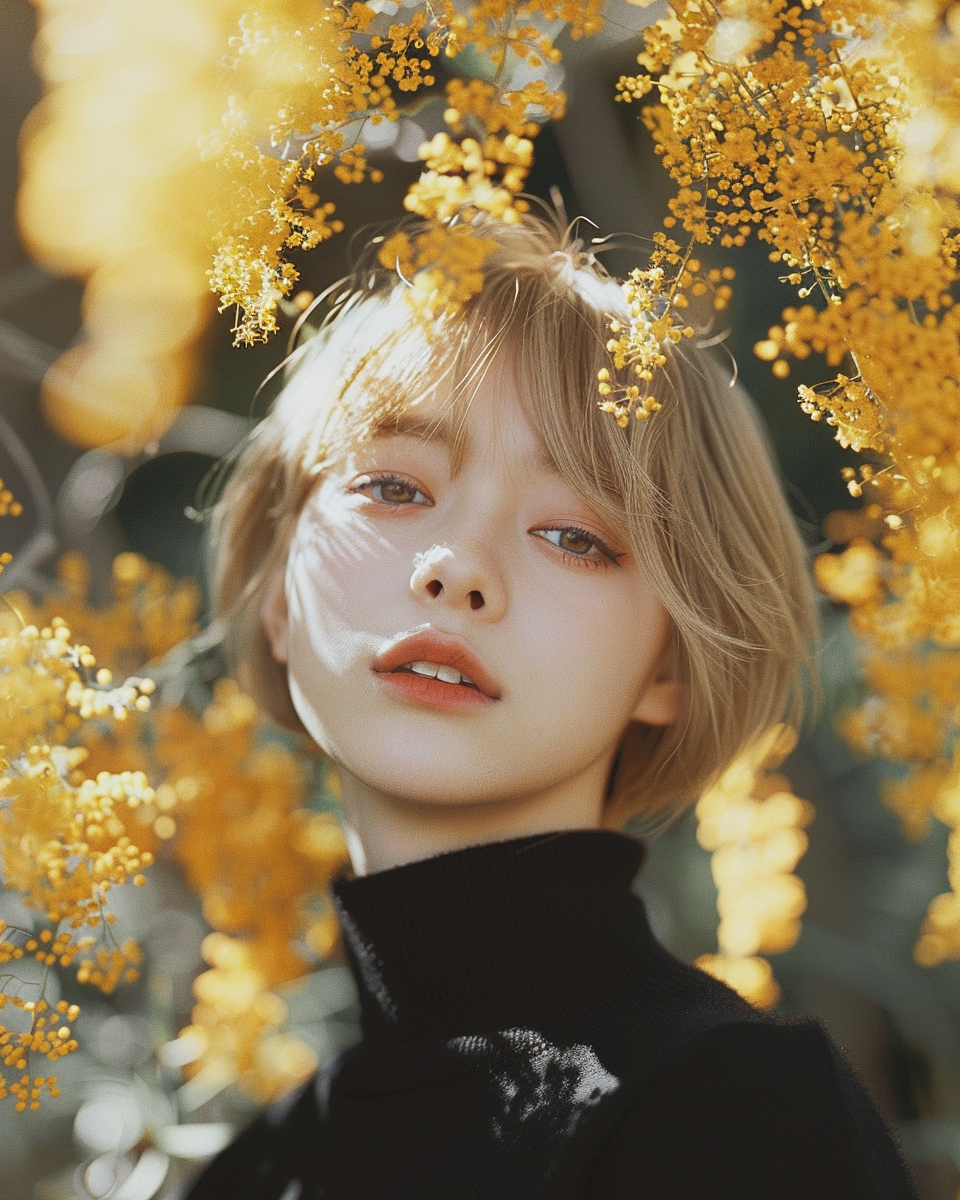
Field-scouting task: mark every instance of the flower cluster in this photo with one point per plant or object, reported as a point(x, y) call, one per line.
point(304, 79)
point(9, 507)
point(148, 613)
point(236, 1033)
point(65, 836)
point(792, 122)
point(444, 265)
point(753, 824)
point(314, 85)
point(227, 792)
point(482, 163)
point(273, 94)
point(49, 1034)
point(826, 129)
point(656, 302)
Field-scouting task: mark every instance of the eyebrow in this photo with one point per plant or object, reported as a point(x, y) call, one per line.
point(443, 431)
point(414, 425)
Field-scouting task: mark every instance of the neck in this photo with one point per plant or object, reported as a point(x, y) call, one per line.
point(492, 937)
point(388, 831)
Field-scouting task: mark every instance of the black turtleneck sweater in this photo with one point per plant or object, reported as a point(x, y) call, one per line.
point(525, 1037)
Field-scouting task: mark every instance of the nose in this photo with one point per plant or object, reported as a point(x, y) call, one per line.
point(459, 579)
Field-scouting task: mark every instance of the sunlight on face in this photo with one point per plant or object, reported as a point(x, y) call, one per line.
point(469, 636)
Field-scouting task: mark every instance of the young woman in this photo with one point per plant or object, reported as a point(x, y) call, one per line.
point(512, 623)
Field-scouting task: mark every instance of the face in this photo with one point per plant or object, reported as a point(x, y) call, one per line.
point(471, 635)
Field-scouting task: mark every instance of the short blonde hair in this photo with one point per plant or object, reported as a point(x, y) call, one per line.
point(693, 490)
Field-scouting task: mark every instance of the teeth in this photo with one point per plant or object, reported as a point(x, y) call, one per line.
point(443, 673)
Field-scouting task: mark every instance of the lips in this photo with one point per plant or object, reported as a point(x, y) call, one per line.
point(443, 650)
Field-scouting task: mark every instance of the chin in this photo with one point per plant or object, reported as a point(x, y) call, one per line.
point(439, 789)
point(423, 777)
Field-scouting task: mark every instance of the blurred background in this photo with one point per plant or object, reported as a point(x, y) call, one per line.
point(123, 1093)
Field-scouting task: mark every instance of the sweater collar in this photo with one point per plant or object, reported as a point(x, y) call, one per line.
point(494, 936)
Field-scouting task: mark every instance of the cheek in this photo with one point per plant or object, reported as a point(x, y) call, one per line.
point(603, 650)
point(338, 580)
point(324, 652)
point(326, 567)
point(319, 599)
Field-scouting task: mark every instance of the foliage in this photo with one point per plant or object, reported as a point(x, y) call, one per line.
point(270, 909)
point(826, 128)
point(68, 836)
point(65, 839)
point(823, 128)
point(196, 132)
point(316, 79)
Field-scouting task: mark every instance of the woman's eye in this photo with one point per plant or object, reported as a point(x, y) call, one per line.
point(391, 489)
point(575, 542)
point(579, 544)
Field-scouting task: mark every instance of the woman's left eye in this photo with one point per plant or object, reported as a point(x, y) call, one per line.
point(578, 544)
point(394, 490)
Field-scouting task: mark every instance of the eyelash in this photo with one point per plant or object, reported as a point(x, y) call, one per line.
point(372, 481)
point(609, 557)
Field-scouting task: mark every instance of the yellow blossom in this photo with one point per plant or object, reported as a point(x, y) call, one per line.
point(80, 815)
point(754, 827)
point(227, 794)
point(827, 130)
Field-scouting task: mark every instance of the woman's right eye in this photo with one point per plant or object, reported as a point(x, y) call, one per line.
point(394, 490)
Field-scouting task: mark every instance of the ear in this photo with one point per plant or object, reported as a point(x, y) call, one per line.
point(660, 702)
point(273, 616)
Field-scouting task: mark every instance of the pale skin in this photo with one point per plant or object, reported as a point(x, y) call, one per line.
point(504, 576)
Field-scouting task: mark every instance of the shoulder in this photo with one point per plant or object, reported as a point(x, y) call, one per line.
point(759, 1046)
point(740, 1072)
point(751, 1109)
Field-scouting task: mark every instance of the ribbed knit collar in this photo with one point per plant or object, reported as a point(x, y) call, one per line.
point(524, 932)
